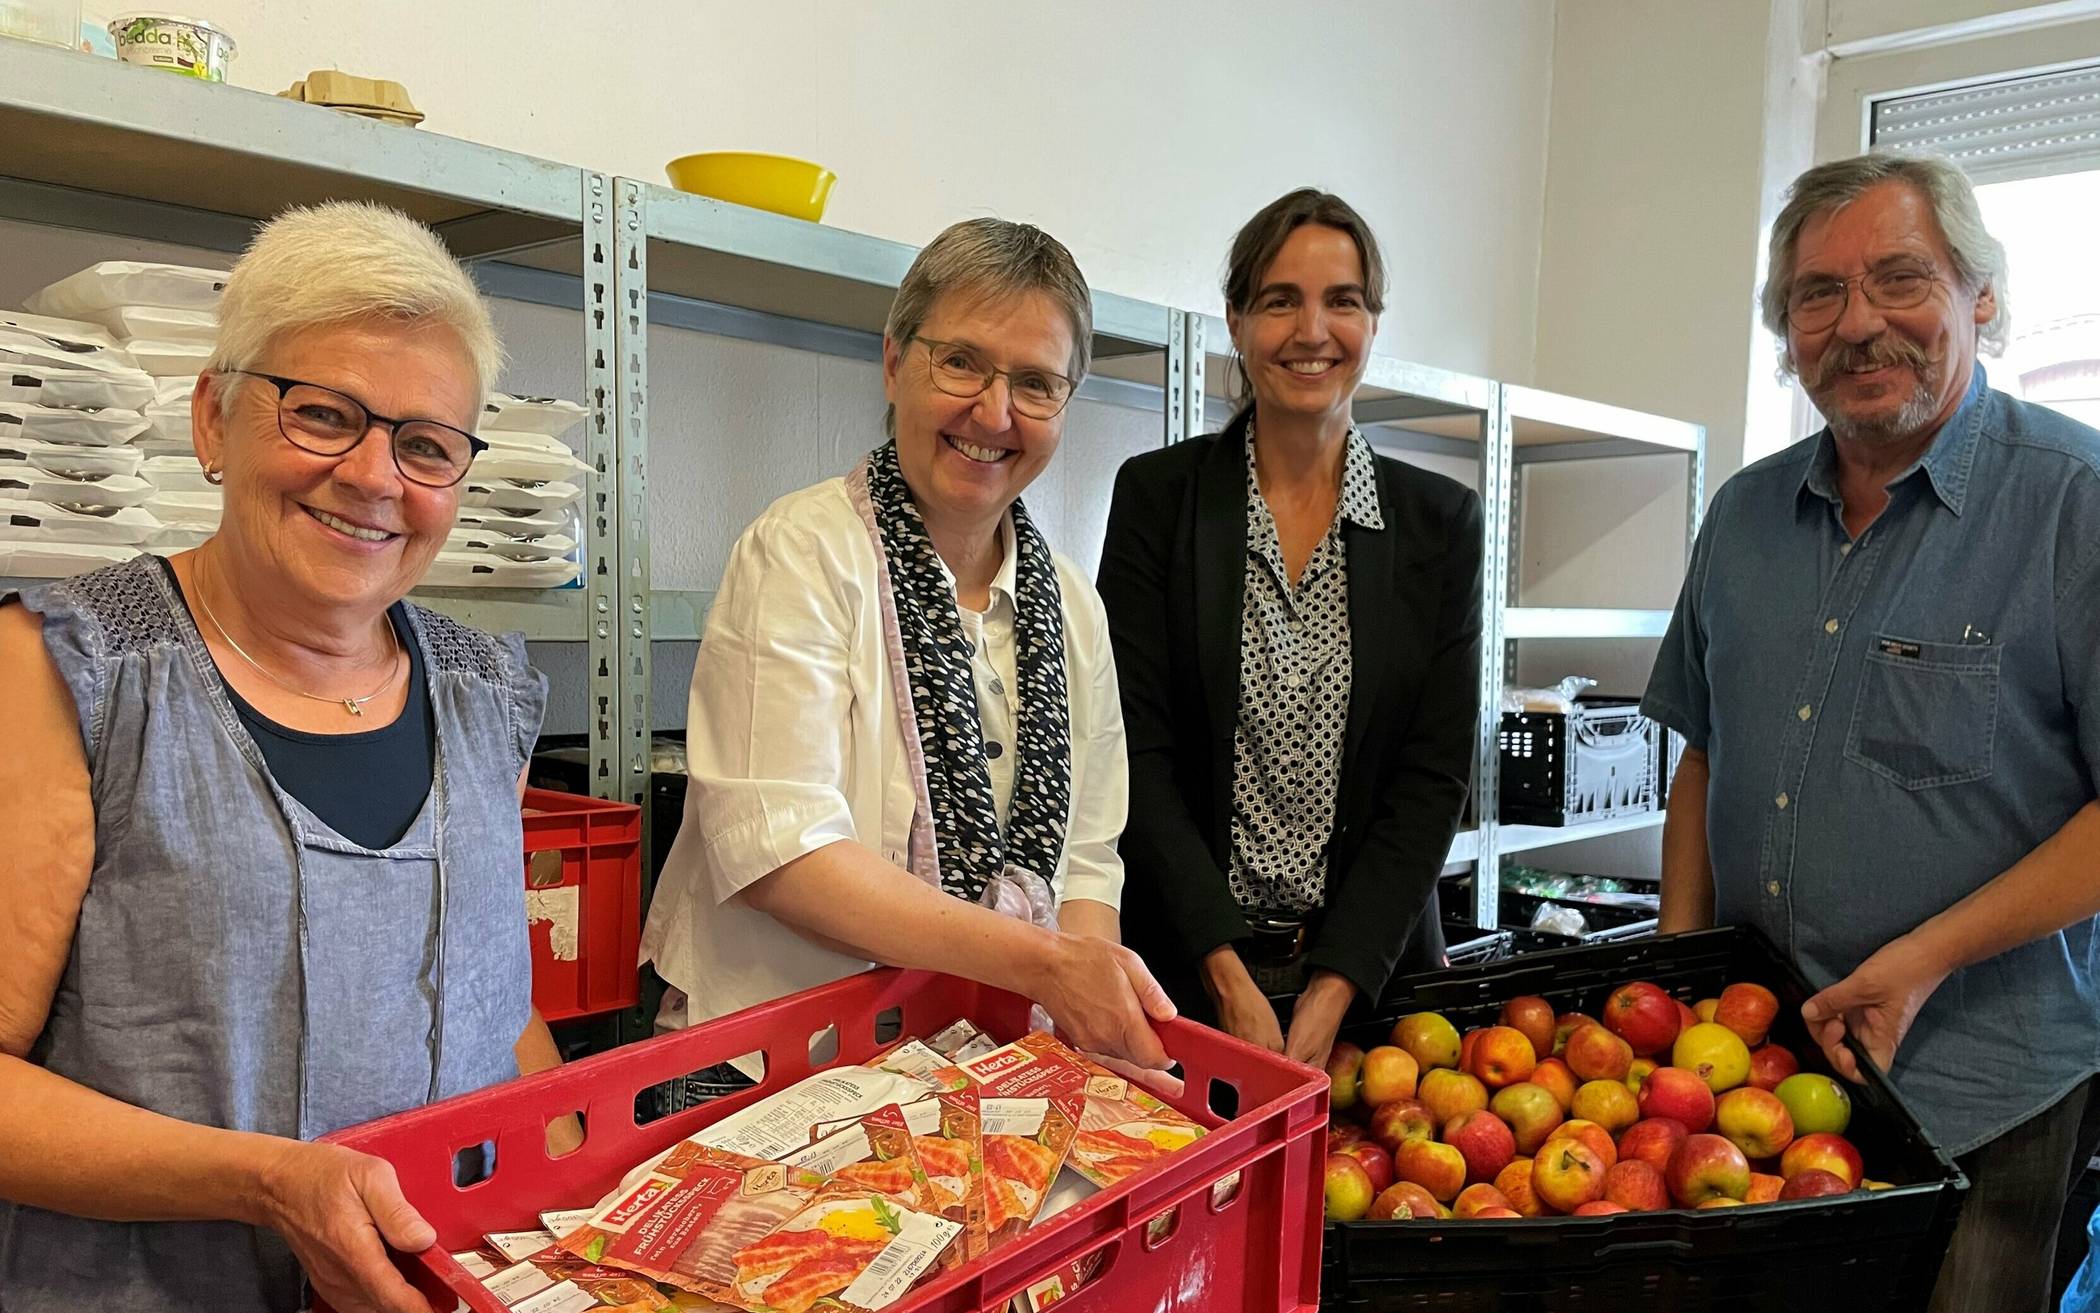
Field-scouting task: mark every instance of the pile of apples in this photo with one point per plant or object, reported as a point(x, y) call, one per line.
point(1658, 1105)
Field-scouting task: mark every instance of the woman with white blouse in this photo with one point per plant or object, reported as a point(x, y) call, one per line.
point(905, 704)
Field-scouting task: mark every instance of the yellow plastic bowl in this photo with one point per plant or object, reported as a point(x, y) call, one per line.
point(787, 186)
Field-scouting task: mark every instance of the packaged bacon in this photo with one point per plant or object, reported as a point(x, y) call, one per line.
point(852, 1250)
point(1124, 1129)
point(1030, 1101)
point(947, 1132)
point(874, 1153)
point(690, 1213)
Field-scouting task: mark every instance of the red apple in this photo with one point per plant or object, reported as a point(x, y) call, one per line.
point(1589, 1133)
point(1388, 1074)
point(1448, 1093)
point(1706, 1167)
point(1566, 1174)
point(1764, 1188)
point(1531, 1111)
point(1514, 1181)
point(1349, 1191)
point(1594, 1053)
point(1496, 1214)
point(1485, 1142)
point(1534, 1017)
point(1747, 1010)
point(1715, 1053)
point(1395, 1123)
point(1476, 1197)
point(1652, 1141)
point(1553, 1076)
point(1636, 1185)
point(1466, 1044)
point(1704, 1008)
point(1378, 1164)
point(1600, 1208)
point(1342, 1134)
point(1437, 1168)
point(1344, 1063)
point(1754, 1120)
point(1608, 1103)
point(1812, 1183)
point(1429, 1038)
point(1686, 1018)
point(1404, 1201)
point(1502, 1056)
point(1565, 1025)
point(1832, 1153)
point(1680, 1095)
point(1771, 1064)
point(1642, 1015)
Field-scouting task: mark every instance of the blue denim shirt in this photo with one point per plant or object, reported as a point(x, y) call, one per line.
point(1891, 722)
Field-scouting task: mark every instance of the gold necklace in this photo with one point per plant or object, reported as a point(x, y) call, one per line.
point(355, 706)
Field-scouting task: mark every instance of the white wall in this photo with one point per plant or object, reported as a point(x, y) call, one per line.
point(1141, 134)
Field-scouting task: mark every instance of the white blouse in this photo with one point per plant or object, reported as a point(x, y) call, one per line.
point(793, 743)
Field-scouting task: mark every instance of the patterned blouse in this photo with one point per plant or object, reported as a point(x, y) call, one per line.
point(1295, 671)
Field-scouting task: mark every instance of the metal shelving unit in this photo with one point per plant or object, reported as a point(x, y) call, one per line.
point(99, 146)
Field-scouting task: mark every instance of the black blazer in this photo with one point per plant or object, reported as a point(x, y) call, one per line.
point(1173, 579)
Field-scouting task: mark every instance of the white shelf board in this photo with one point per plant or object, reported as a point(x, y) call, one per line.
point(1582, 622)
point(1465, 847)
point(1549, 419)
point(1524, 838)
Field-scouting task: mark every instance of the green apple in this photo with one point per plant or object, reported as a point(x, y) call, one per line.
point(1815, 1102)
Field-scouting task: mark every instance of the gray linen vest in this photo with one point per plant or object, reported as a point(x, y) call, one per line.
point(238, 963)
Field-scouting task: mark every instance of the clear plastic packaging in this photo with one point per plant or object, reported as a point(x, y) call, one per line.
point(52, 22)
point(1560, 697)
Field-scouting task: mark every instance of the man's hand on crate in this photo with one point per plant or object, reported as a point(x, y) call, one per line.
point(1316, 1018)
point(338, 1210)
point(1875, 1004)
point(1244, 1012)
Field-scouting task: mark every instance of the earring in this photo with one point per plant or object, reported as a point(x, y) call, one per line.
point(214, 475)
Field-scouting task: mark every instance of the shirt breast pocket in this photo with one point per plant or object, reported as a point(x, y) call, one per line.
point(1927, 714)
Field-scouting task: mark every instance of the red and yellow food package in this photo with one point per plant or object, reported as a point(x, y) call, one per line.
point(947, 1133)
point(853, 1250)
point(1030, 1100)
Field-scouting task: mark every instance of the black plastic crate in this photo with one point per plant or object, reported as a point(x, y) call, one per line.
point(1868, 1250)
point(1466, 944)
point(1601, 761)
point(1608, 922)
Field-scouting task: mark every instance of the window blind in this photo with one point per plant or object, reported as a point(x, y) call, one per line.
point(2023, 127)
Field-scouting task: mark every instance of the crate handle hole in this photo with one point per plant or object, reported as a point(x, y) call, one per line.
point(1224, 1191)
point(824, 1046)
point(473, 1163)
point(1224, 1098)
point(1161, 1228)
point(566, 1134)
point(889, 1024)
point(656, 1102)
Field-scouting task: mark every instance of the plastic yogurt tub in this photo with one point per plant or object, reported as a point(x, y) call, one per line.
point(190, 46)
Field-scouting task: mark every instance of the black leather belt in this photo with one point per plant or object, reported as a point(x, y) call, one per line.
point(1275, 939)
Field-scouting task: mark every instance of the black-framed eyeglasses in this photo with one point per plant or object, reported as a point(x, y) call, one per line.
point(959, 370)
point(330, 423)
point(1817, 303)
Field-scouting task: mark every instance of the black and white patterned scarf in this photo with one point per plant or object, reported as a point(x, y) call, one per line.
point(943, 733)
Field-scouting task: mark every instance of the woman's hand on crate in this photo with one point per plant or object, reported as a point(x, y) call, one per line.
point(339, 1210)
point(1317, 1016)
point(1875, 1005)
point(1104, 1000)
point(1244, 1012)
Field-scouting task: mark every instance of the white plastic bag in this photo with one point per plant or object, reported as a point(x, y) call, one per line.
point(80, 330)
point(28, 346)
point(70, 458)
point(1560, 697)
point(28, 422)
point(168, 415)
point(58, 560)
point(41, 522)
point(514, 526)
point(468, 570)
point(195, 509)
point(552, 416)
point(159, 323)
point(527, 466)
point(162, 358)
point(516, 498)
point(508, 440)
point(87, 389)
point(176, 474)
point(23, 481)
point(474, 541)
point(115, 283)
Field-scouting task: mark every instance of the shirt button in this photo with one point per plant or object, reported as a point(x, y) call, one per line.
point(995, 750)
point(1781, 802)
point(1845, 550)
point(1804, 712)
point(1830, 626)
point(1772, 888)
point(1293, 681)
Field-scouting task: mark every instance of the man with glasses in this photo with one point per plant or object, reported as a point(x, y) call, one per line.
point(1886, 666)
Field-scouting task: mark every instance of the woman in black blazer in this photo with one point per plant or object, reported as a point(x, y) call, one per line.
point(1296, 624)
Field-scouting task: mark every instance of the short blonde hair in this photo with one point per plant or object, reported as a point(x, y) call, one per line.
point(342, 262)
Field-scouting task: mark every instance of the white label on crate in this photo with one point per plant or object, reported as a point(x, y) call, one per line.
point(568, 1297)
point(518, 1245)
point(1022, 1117)
point(565, 1220)
point(520, 1281)
point(902, 1261)
point(557, 907)
point(476, 1263)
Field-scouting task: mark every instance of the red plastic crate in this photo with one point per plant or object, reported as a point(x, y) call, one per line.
point(1255, 1249)
point(601, 858)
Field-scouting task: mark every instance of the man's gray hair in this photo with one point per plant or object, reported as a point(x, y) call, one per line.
point(346, 262)
point(993, 259)
point(1979, 258)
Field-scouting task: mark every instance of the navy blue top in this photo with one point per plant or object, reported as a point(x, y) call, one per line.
point(368, 786)
point(1893, 721)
